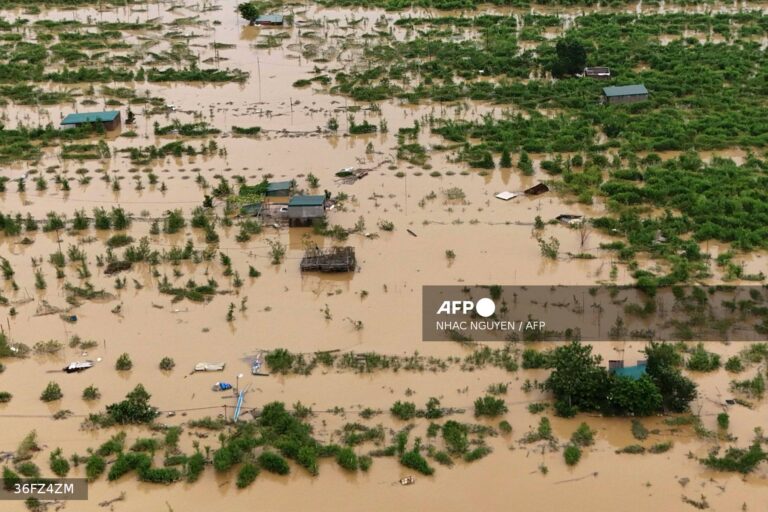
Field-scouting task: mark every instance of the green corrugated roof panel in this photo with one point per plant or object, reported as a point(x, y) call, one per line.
point(624, 90)
point(269, 18)
point(306, 201)
point(278, 186)
point(633, 372)
point(91, 117)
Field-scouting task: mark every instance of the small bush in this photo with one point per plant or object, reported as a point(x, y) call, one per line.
point(91, 393)
point(583, 436)
point(572, 454)
point(51, 392)
point(661, 447)
point(489, 406)
point(734, 364)
point(94, 467)
point(5, 397)
point(403, 410)
point(59, 465)
point(723, 420)
point(415, 461)
point(247, 475)
point(167, 364)
point(123, 363)
point(347, 459)
point(274, 463)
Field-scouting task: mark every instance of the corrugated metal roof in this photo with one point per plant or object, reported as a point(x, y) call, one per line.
point(269, 18)
point(279, 185)
point(306, 201)
point(633, 372)
point(625, 90)
point(91, 117)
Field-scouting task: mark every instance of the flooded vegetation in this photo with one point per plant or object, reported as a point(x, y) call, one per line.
point(217, 219)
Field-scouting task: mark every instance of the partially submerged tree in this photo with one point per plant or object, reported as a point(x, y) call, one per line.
point(249, 11)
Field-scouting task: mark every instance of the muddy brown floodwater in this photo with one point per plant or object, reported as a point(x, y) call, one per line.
point(493, 242)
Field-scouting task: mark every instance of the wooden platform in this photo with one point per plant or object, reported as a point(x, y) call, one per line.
point(335, 259)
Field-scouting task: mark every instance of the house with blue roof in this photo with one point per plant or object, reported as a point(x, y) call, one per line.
point(110, 119)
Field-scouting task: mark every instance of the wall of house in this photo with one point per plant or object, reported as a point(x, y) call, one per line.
point(305, 212)
point(627, 99)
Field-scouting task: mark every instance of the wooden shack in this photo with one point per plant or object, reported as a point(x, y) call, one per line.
point(270, 20)
point(624, 94)
point(335, 259)
point(599, 72)
point(110, 119)
point(303, 210)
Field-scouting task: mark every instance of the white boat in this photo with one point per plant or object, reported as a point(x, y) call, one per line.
point(256, 364)
point(408, 480)
point(78, 366)
point(209, 367)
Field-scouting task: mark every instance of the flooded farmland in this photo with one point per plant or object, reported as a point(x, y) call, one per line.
point(134, 249)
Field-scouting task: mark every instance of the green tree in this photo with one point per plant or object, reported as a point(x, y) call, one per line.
point(638, 397)
point(576, 378)
point(134, 409)
point(571, 57)
point(249, 11)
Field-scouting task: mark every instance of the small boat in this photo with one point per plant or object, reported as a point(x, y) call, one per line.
point(209, 367)
point(78, 366)
point(256, 364)
point(408, 480)
point(222, 386)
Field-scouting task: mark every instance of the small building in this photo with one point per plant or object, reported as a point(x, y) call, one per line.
point(335, 259)
point(302, 210)
point(624, 94)
point(110, 119)
point(270, 20)
point(597, 72)
point(280, 188)
point(617, 368)
point(536, 190)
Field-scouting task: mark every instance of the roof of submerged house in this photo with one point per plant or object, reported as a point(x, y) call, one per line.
point(625, 90)
point(632, 372)
point(277, 186)
point(91, 117)
point(307, 201)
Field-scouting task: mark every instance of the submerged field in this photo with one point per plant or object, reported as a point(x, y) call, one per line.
point(137, 232)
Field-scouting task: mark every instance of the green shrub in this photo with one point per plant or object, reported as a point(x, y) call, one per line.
point(736, 459)
point(455, 437)
point(94, 467)
point(274, 463)
point(59, 465)
point(5, 397)
point(247, 474)
point(490, 406)
point(28, 469)
point(347, 459)
point(167, 364)
point(723, 420)
point(415, 461)
point(572, 454)
point(476, 454)
point(734, 364)
point(195, 466)
point(51, 392)
point(661, 447)
point(123, 363)
point(365, 461)
point(703, 361)
point(91, 393)
point(583, 436)
point(403, 410)
point(505, 427)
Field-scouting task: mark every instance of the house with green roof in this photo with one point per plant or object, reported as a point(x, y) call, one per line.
point(631, 372)
point(110, 119)
point(303, 210)
point(624, 94)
